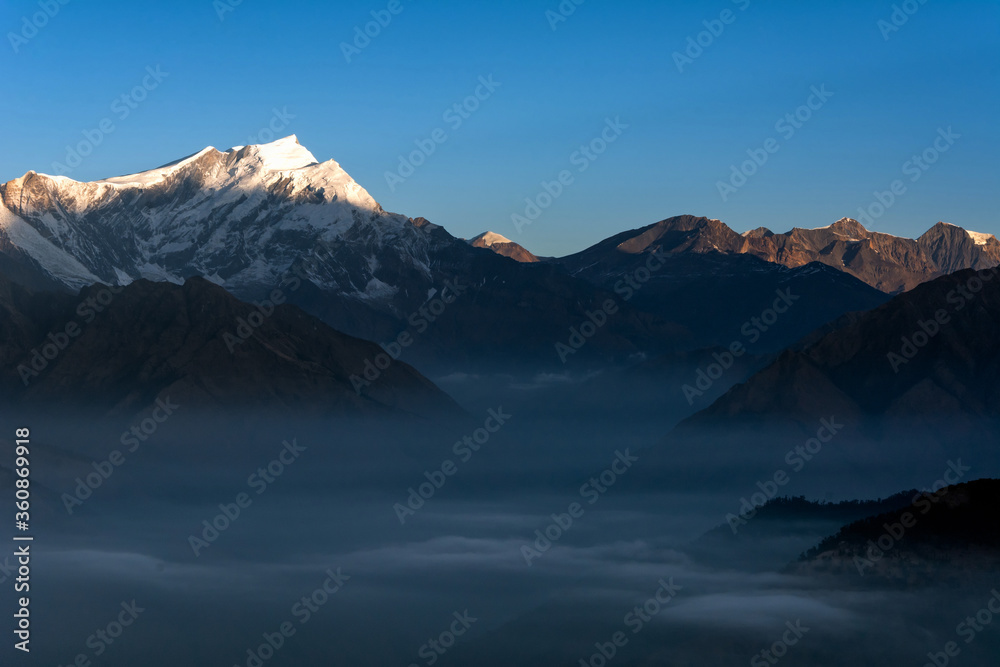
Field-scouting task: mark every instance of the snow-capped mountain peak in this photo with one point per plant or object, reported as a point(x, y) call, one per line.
point(240, 217)
point(249, 165)
point(489, 239)
point(502, 246)
point(153, 176)
point(282, 155)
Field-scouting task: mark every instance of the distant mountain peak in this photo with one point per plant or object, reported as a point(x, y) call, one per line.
point(848, 227)
point(502, 245)
point(947, 228)
point(489, 239)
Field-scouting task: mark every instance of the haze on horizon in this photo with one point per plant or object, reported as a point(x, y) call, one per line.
point(232, 74)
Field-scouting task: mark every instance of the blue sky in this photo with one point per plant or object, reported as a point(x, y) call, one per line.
point(606, 60)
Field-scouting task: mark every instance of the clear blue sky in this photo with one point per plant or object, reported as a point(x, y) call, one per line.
point(608, 59)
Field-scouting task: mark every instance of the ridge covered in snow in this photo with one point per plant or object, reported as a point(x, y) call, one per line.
point(242, 218)
point(284, 154)
point(981, 238)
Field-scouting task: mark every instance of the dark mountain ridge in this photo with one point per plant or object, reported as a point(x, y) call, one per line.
point(931, 351)
point(120, 349)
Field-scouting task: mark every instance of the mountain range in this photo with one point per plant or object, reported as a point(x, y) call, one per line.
point(716, 295)
point(888, 263)
point(252, 219)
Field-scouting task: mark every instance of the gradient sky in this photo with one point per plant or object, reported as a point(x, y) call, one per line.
point(608, 59)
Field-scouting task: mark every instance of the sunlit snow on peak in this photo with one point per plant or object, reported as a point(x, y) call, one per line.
point(490, 239)
point(980, 238)
point(284, 154)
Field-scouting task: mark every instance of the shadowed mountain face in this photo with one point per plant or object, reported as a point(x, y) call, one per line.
point(118, 349)
point(952, 248)
point(719, 297)
point(888, 263)
point(928, 353)
point(938, 535)
point(506, 316)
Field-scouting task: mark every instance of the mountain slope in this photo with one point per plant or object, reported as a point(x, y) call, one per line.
point(946, 534)
point(952, 248)
point(196, 344)
point(931, 351)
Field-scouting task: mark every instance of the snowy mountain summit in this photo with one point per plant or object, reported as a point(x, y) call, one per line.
point(502, 246)
point(487, 239)
point(243, 218)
